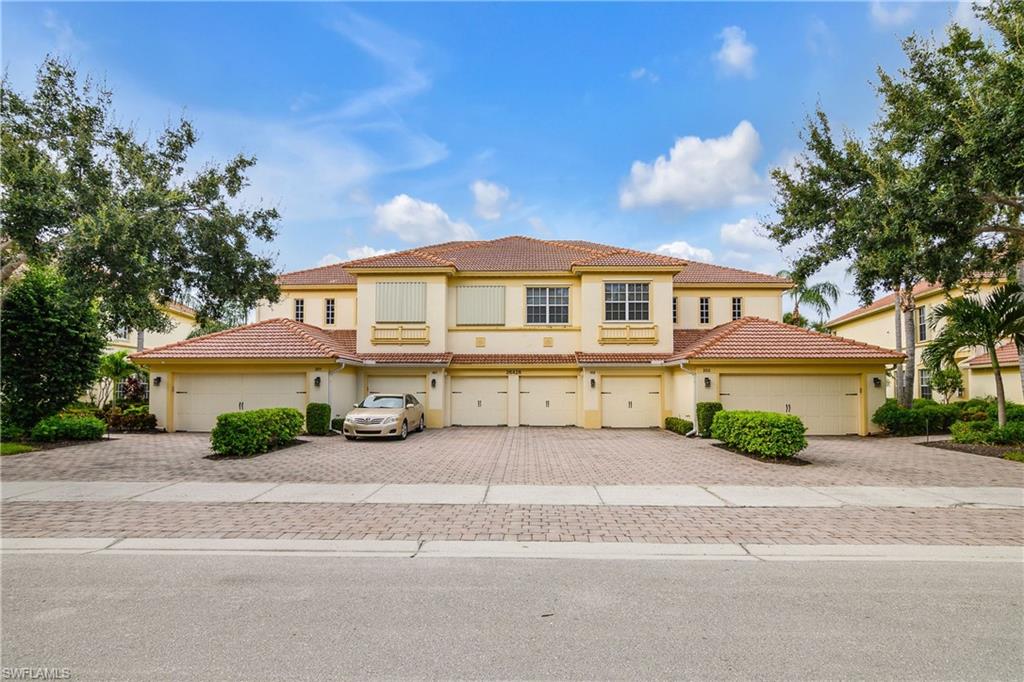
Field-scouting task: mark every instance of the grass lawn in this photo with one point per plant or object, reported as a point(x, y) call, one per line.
point(14, 448)
point(1015, 455)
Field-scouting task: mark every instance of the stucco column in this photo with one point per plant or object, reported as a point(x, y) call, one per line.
point(591, 399)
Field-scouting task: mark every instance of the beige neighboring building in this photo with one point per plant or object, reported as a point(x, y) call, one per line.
point(183, 321)
point(524, 332)
point(875, 324)
point(982, 380)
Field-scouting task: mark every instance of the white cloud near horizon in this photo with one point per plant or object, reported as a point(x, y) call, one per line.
point(736, 55)
point(489, 198)
point(643, 73)
point(745, 235)
point(891, 14)
point(683, 249)
point(699, 173)
point(419, 222)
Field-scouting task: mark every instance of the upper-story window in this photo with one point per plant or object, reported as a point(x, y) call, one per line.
point(675, 313)
point(737, 307)
point(401, 301)
point(704, 310)
point(480, 305)
point(922, 324)
point(627, 302)
point(547, 305)
point(300, 309)
point(329, 311)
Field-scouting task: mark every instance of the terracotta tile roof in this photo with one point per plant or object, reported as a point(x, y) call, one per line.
point(884, 302)
point(755, 338)
point(406, 358)
point(697, 272)
point(327, 274)
point(512, 359)
point(621, 358)
point(272, 339)
point(1006, 354)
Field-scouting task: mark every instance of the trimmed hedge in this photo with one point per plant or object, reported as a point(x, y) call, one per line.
point(768, 434)
point(923, 416)
point(988, 433)
point(705, 415)
point(132, 418)
point(318, 419)
point(338, 424)
point(677, 425)
point(254, 431)
point(69, 427)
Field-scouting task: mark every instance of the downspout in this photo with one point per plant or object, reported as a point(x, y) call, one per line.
point(693, 431)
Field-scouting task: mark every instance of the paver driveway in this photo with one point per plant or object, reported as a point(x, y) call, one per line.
point(541, 456)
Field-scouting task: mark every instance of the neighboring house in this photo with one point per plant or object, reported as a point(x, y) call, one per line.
point(520, 331)
point(183, 321)
point(875, 324)
point(982, 381)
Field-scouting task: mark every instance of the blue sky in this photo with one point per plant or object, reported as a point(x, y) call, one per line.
point(384, 126)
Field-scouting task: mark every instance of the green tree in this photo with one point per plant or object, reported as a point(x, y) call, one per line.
point(818, 297)
point(972, 321)
point(51, 346)
point(114, 368)
point(947, 381)
point(123, 218)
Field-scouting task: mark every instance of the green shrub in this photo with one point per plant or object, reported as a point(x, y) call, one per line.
point(318, 418)
point(1015, 456)
point(1011, 434)
point(683, 426)
point(1014, 412)
point(68, 427)
point(10, 431)
point(924, 416)
point(131, 418)
point(255, 431)
point(769, 434)
point(972, 431)
point(705, 415)
point(338, 424)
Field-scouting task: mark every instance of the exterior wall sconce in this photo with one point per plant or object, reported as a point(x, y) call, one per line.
point(316, 382)
point(157, 380)
point(593, 383)
point(707, 382)
point(433, 383)
point(877, 382)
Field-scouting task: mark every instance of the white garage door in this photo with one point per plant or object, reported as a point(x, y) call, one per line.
point(199, 398)
point(399, 383)
point(827, 405)
point(630, 402)
point(480, 401)
point(547, 401)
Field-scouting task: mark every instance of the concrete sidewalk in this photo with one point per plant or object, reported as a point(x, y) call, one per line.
point(569, 495)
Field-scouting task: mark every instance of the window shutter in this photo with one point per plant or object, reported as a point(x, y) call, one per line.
point(480, 305)
point(401, 301)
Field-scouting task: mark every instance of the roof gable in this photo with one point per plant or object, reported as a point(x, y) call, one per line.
point(272, 339)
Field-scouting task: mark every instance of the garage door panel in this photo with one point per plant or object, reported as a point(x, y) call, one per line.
point(200, 398)
point(547, 401)
point(399, 383)
point(480, 401)
point(260, 391)
point(631, 402)
point(827, 404)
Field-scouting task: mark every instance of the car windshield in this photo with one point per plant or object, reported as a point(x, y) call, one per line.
point(386, 402)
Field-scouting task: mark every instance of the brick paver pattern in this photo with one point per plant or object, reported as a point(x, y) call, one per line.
point(517, 522)
point(539, 456)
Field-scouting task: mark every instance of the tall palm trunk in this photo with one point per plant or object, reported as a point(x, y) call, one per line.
point(897, 391)
point(909, 324)
point(997, 374)
point(1020, 339)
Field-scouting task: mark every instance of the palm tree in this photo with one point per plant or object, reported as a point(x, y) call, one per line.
point(819, 297)
point(973, 321)
point(114, 368)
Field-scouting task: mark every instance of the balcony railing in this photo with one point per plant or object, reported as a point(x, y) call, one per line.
point(400, 334)
point(627, 333)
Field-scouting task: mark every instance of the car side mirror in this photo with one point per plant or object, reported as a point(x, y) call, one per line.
point(355, 404)
point(409, 406)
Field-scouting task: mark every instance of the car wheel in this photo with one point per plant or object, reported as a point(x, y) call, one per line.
point(350, 437)
point(422, 425)
point(405, 431)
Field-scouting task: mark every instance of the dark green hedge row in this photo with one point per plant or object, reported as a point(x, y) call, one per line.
point(318, 419)
point(255, 431)
point(683, 426)
point(927, 416)
point(705, 415)
point(989, 432)
point(769, 434)
point(69, 427)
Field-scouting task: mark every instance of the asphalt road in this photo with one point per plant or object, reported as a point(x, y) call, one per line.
point(259, 617)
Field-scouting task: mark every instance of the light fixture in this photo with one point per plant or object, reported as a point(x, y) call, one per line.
point(707, 382)
point(157, 380)
point(877, 381)
point(316, 382)
point(433, 383)
point(593, 383)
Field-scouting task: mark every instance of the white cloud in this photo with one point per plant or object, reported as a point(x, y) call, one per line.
point(682, 249)
point(891, 14)
point(642, 73)
point(66, 41)
point(490, 199)
point(820, 39)
point(419, 222)
point(745, 235)
point(539, 226)
point(699, 173)
point(964, 15)
point(329, 259)
point(358, 252)
point(736, 56)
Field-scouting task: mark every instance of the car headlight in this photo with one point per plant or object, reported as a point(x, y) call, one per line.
point(348, 419)
point(390, 420)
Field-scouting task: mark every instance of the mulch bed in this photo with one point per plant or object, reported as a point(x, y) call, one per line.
point(214, 457)
point(789, 461)
point(973, 448)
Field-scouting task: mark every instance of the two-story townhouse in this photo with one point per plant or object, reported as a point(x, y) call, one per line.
point(183, 321)
point(524, 332)
point(875, 324)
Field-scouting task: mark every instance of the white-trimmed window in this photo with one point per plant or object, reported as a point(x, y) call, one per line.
point(925, 382)
point(300, 309)
point(328, 311)
point(922, 323)
point(627, 302)
point(675, 313)
point(737, 307)
point(704, 310)
point(547, 305)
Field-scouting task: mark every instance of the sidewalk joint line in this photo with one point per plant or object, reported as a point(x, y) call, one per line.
point(707, 489)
